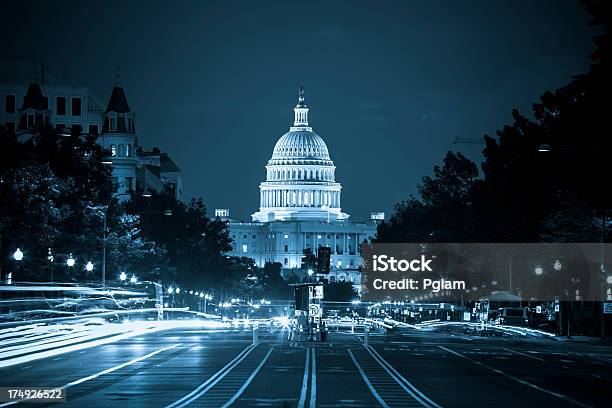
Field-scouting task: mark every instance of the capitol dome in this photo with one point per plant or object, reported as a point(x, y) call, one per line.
point(300, 145)
point(300, 176)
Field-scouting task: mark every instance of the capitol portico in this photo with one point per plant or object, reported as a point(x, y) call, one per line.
point(300, 207)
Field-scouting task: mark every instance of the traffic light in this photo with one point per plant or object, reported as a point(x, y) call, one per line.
point(323, 259)
point(308, 260)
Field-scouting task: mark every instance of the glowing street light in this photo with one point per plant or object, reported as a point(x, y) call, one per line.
point(133, 279)
point(122, 276)
point(539, 270)
point(201, 295)
point(89, 266)
point(170, 290)
point(70, 262)
point(191, 292)
point(18, 255)
point(310, 272)
point(178, 290)
point(557, 265)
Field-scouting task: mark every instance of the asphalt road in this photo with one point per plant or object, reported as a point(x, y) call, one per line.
point(401, 369)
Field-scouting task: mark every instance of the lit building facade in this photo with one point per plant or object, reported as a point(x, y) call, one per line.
point(25, 107)
point(300, 208)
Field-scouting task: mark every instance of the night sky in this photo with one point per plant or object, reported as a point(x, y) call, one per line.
point(389, 84)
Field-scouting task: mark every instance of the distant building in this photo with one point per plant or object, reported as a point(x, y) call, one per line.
point(300, 208)
point(25, 107)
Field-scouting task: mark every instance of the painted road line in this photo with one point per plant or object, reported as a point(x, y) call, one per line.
point(313, 381)
point(524, 354)
point(107, 371)
point(518, 380)
point(248, 381)
point(403, 382)
point(214, 379)
point(367, 381)
point(305, 380)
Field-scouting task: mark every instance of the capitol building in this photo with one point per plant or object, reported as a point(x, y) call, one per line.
point(300, 207)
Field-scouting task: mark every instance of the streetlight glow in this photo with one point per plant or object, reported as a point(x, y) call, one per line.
point(70, 261)
point(133, 279)
point(89, 266)
point(122, 276)
point(539, 270)
point(18, 255)
point(170, 290)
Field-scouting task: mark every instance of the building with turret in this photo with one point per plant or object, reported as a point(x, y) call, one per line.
point(25, 107)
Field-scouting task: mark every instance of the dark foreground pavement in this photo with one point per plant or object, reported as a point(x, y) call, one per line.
point(402, 369)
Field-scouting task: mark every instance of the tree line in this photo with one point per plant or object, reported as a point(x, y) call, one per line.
point(543, 178)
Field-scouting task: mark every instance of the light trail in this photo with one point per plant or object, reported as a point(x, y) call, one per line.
point(107, 334)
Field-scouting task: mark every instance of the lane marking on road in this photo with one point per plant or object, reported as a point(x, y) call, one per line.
point(403, 382)
point(104, 372)
point(519, 380)
point(313, 381)
point(248, 381)
point(305, 380)
point(214, 379)
point(367, 381)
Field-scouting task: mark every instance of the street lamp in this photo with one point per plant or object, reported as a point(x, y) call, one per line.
point(170, 290)
point(18, 255)
point(122, 276)
point(89, 266)
point(133, 279)
point(50, 258)
point(206, 297)
point(70, 262)
point(539, 270)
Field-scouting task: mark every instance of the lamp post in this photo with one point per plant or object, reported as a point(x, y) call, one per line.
point(207, 297)
point(18, 255)
point(70, 262)
point(122, 277)
point(50, 258)
point(89, 266)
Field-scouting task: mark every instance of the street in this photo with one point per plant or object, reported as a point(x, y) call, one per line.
point(406, 368)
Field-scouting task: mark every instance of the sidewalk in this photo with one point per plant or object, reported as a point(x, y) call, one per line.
point(584, 339)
